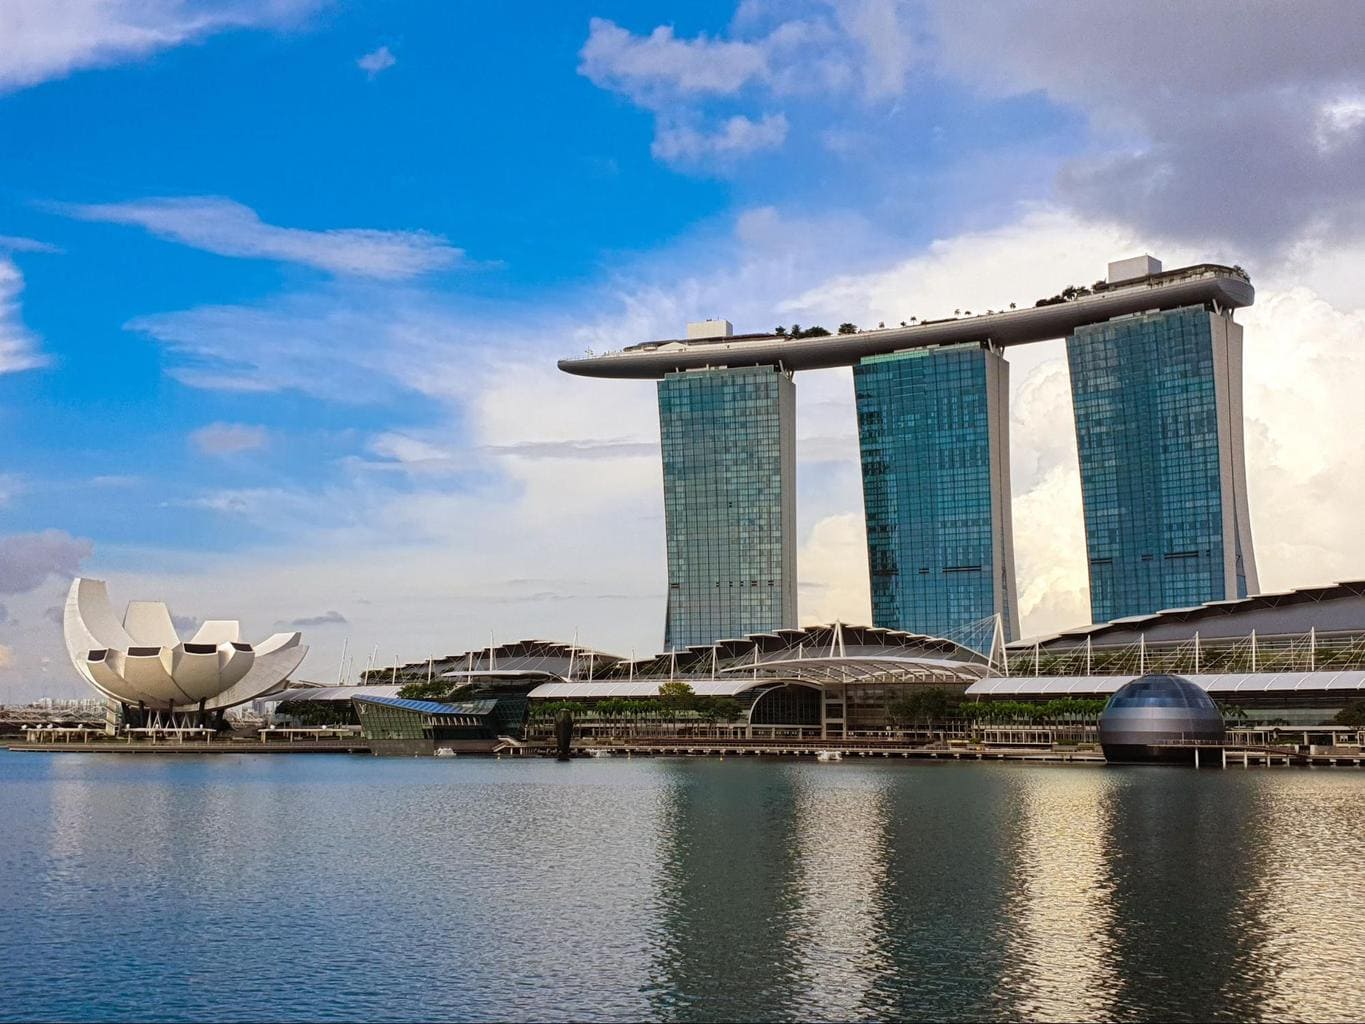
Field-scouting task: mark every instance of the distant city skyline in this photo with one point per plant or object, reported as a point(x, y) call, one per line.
point(283, 284)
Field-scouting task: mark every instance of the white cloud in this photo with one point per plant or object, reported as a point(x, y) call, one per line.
point(18, 345)
point(46, 39)
point(6, 657)
point(228, 228)
point(1339, 122)
point(814, 50)
point(888, 50)
point(228, 438)
point(1304, 377)
point(650, 69)
point(737, 136)
point(376, 61)
point(832, 567)
point(17, 243)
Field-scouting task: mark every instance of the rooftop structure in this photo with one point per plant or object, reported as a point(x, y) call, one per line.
point(1203, 284)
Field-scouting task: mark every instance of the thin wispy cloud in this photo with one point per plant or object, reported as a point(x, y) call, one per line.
point(18, 243)
point(376, 61)
point(45, 39)
point(18, 345)
point(228, 438)
point(737, 136)
point(220, 225)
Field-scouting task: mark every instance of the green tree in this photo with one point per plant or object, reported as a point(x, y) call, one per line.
point(1352, 714)
point(675, 695)
point(437, 689)
point(848, 328)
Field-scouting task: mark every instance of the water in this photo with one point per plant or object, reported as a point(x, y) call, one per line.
point(320, 887)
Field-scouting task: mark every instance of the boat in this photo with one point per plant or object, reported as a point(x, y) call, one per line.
point(444, 752)
point(600, 753)
point(828, 755)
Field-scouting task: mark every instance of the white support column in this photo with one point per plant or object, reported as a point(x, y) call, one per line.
point(1253, 650)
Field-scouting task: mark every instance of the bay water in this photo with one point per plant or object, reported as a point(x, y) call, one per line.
point(336, 887)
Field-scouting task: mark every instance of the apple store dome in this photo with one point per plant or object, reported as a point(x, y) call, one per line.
point(1153, 711)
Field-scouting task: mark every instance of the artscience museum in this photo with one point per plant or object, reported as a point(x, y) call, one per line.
point(153, 678)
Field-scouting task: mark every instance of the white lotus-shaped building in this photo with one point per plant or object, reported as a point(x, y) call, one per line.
point(142, 662)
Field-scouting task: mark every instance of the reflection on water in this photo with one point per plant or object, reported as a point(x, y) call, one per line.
point(338, 888)
point(1060, 956)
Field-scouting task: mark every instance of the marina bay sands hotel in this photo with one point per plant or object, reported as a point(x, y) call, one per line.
point(1155, 360)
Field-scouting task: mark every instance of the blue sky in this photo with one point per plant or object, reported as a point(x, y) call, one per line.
point(282, 282)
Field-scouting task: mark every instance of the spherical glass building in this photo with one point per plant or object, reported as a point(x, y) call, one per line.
point(1154, 710)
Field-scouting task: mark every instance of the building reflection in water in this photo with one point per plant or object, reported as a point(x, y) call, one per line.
point(728, 893)
point(1058, 960)
point(1310, 842)
point(842, 862)
point(1180, 849)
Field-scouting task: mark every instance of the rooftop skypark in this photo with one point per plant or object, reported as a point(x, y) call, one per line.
point(1204, 284)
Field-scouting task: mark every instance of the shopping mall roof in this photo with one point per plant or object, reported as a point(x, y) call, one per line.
point(595, 689)
point(1348, 684)
point(1336, 607)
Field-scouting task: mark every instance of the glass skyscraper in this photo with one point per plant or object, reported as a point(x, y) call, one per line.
point(729, 462)
point(1158, 405)
point(933, 429)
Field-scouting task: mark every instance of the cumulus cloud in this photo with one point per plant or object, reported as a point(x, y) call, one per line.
point(832, 567)
point(228, 438)
point(28, 559)
point(654, 68)
point(219, 225)
point(1256, 138)
point(376, 61)
point(737, 136)
point(811, 50)
point(18, 345)
point(46, 39)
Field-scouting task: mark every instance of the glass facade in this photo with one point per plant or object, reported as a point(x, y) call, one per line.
point(729, 466)
point(933, 430)
point(1157, 400)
